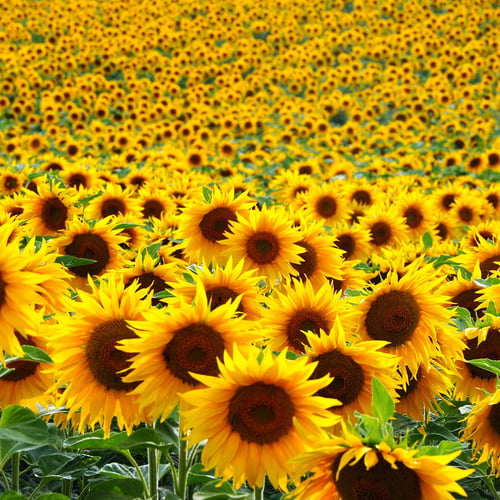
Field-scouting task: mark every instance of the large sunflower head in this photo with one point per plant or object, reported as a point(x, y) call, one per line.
point(204, 226)
point(352, 367)
point(114, 200)
point(346, 468)
point(176, 345)
point(324, 203)
point(298, 308)
point(266, 240)
point(259, 413)
point(404, 312)
point(91, 240)
point(84, 347)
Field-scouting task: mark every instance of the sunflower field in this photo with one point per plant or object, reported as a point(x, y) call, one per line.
point(249, 249)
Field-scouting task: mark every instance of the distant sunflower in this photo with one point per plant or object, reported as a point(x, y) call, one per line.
point(266, 240)
point(324, 204)
point(321, 260)
point(256, 416)
point(114, 200)
point(352, 367)
point(486, 253)
point(418, 396)
point(298, 308)
point(48, 211)
point(482, 428)
point(345, 468)
point(471, 381)
point(417, 213)
point(84, 345)
point(352, 278)
point(404, 312)
point(488, 230)
point(173, 347)
point(203, 226)
point(467, 209)
point(154, 202)
point(79, 176)
point(353, 241)
point(97, 241)
point(289, 185)
point(223, 284)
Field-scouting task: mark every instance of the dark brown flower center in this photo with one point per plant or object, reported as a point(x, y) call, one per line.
point(447, 200)
point(263, 247)
point(77, 180)
point(22, 369)
point(54, 214)
point(194, 348)
point(381, 233)
point(108, 364)
point(326, 206)
point(11, 182)
point(442, 231)
point(488, 349)
point(347, 243)
point(3, 286)
point(493, 159)
point(493, 200)
point(219, 295)
point(348, 376)
point(112, 206)
point(147, 280)
point(468, 299)
point(413, 217)
point(465, 214)
point(381, 482)
point(393, 317)
point(310, 261)
point(216, 222)
point(494, 418)
point(152, 208)
point(489, 265)
point(362, 197)
point(261, 413)
point(88, 246)
point(304, 320)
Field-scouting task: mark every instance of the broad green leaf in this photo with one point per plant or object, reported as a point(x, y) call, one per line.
point(382, 403)
point(117, 470)
point(215, 491)
point(207, 194)
point(370, 429)
point(427, 241)
point(33, 353)
point(486, 364)
point(71, 261)
point(12, 495)
point(116, 489)
point(198, 475)
point(443, 448)
point(124, 225)
point(52, 496)
point(5, 371)
point(65, 466)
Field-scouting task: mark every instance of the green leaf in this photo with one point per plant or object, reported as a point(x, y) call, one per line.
point(95, 441)
point(71, 261)
point(427, 240)
point(35, 354)
point(370, 429)
point(189, 278)
point(5, 371)
point(443, 448)
point(124, 225)
point(486, 364)
point(85, 201)
point(53, 496)
point(116, 489)
point(65, 466)
point(198, 475)
point(382, 403)
point(164, 294)
point(215, 490)
point(12, 495)
point(207, 194)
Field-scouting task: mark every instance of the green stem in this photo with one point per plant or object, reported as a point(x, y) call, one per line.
point(16, 461)
point(67, 487)
point(5, 479)
point(153, 473)
point(35, 491)
point(258, 492)
point(133, 461)
point(173, 469)
point(183, 468)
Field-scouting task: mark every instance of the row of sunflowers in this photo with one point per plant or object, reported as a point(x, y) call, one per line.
point(249, 250)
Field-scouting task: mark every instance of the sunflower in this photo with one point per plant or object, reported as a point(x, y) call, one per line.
point(324, 203)
point(468, 209)
point(288, 185)
point(84, 344)
point(482, 428)
point(488, 230)
point(266, 240)
point(486, 253)
point(154, 202)
point(352, 278)
point(259, 413)
point(418, 395)
point(134, 230)
point(352, 367)
point(79, 176)
point(353, 241)
point(386, 227)
point(173, 348)
point(404, 312)
point(28, 383)
point(299, 307)
point(203, 226)
point(223, 284)
point(362, 192)
point(95, 240)
point(48, 211)
point(321, 259)
point(471, 381)
point(19, 292)
point(346, 468)
point(417, 213)
point(114, 200)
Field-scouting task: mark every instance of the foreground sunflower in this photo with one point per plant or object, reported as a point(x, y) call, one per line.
point(483, 429)
point(405, 312)
point(87, 362)
point(256, 416)
point(352, 367)
point(172, 348)
point(344, 468)
point(267, 242)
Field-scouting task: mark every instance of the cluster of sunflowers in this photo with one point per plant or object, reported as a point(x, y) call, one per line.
point(267, 215)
